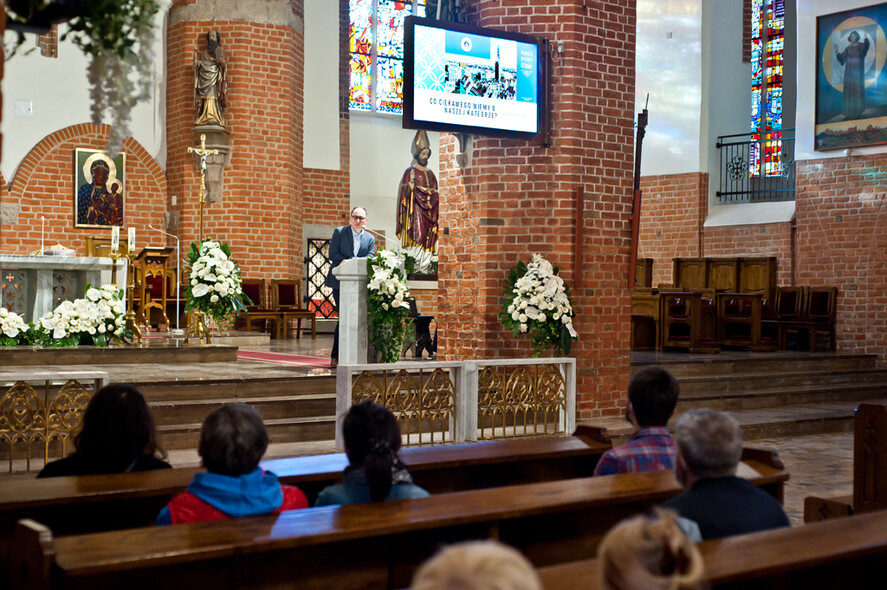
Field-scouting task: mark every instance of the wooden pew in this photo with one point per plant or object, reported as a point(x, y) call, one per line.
point(76, 505)
point(869, 468)
point(847, 553)
point(364, 546)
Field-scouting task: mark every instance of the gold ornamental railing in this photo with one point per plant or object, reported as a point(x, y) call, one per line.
point(40, 412)
point(441, 402)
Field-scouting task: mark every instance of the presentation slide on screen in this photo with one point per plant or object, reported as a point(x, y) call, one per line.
point(474, 80)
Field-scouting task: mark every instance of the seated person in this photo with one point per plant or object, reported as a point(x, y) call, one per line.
point(117, 435)
point(647, 553)
point(652, 397)
point(709, 449)
point(374, 473)
point(232, 441)
point(477, 565)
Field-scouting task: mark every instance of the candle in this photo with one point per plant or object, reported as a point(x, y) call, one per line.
point(115, 239)
point(131, 241)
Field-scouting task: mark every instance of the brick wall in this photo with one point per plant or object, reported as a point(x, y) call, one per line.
point(672, 212)
point(43, 186)
point(842, 240)
point(516, 198)
point(260, 213)
point(771, 239)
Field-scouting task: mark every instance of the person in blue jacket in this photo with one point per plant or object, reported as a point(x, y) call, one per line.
point(233, 439)
point(375, 473)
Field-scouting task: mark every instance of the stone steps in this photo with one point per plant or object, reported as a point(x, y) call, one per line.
point(771, 395)
point(306, 405)
point(236, 388)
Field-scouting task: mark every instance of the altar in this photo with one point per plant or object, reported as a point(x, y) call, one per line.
point(34, 285)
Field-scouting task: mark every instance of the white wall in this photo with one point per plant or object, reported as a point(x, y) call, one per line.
point(59, 90)
point(670, 70)
point(380, 152)
point(321, 120)
point(808, 10)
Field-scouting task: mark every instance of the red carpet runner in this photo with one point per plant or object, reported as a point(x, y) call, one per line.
point(282, 359)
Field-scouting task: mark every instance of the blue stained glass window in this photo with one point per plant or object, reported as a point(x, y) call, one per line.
point(376, 44)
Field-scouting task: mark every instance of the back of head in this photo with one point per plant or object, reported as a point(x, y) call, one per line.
point(233, 440)
point(653, 393)
point(477, 565)
point(709, 442)
point(118, 428)
point(372, 439)
point(649, 553)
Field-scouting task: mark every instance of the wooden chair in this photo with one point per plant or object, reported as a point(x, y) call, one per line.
point(644, 319)
point(739, 321)
point(152, 272)
point(286, 299)
point(723, 275)
point(681, 313)
point(643, 277)
point(818, 319)
point(259, 310)
point(101, 246)
point(758, 275)
point(421, 326)
point(789, 307)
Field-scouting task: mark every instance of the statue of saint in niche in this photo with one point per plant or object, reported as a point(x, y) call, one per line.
point(211, 81)
point(417, 207)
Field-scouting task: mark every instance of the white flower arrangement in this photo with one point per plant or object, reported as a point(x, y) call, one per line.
point(215, 283)
point(388, 304)
point(99, 318)
point(13, 328)
point(537, 302)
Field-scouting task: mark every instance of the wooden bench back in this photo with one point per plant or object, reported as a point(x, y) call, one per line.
point(843, 553)
point(362, 546)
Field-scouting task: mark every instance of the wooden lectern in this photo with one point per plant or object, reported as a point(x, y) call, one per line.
point(152, 269)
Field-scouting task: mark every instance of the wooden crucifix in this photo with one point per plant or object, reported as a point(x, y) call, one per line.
point(202, 153)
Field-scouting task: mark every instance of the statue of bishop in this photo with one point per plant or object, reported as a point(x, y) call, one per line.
point(417, 206)
point(211, 81)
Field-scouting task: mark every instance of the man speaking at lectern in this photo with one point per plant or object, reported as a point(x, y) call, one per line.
point(349, 241)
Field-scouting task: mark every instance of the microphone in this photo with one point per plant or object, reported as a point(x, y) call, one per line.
point(377, 234)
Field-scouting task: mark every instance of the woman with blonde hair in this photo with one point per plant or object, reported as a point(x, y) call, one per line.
point(650, 553)
point(477, 565)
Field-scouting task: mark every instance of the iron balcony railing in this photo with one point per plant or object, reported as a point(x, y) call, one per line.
point(757, 167)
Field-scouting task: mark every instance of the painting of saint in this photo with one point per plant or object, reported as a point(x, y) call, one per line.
point(851, 107)
point(100, 189)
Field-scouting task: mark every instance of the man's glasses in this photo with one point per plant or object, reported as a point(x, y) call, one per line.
point(358, 217)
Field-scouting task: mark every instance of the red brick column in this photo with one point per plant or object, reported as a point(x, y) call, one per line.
point(516, 198)
point(260, 213)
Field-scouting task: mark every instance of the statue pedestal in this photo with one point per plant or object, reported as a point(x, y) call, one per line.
point(353, 279)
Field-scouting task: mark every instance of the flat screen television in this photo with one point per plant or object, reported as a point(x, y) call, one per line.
point(465, 79)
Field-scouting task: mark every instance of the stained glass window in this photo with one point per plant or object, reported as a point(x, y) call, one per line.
point(767, 55)
point(376, 44)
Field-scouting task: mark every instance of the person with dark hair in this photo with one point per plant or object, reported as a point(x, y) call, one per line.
point(709, 450)
point(117, 435)
point(652, 397)
point(374, 473)
point(233, 440)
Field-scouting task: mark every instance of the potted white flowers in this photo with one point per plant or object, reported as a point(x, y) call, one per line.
point(96, 319)
point(388, 305)
point(13, 329)
point(537, 303)
point(215, 285)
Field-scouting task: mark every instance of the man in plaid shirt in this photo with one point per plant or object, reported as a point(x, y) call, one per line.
point(652, 397)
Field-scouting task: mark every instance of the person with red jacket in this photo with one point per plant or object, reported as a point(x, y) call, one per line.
point(233, 440)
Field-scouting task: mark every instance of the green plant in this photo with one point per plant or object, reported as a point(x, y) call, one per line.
point(387, 305)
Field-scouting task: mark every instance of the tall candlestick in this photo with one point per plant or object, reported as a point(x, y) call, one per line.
point(115, 239)
point(131, 242)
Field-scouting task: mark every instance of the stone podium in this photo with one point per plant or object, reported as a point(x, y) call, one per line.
point(353, 279)
point(32, 286)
